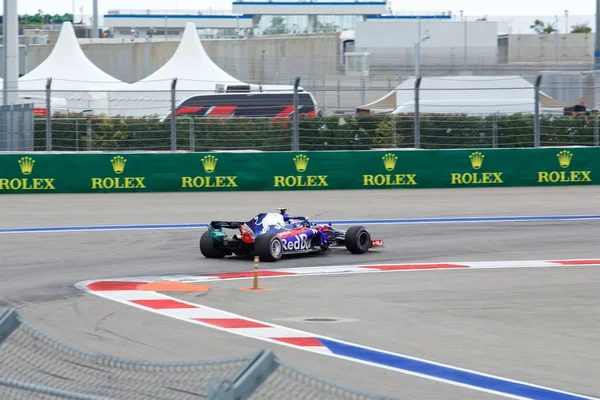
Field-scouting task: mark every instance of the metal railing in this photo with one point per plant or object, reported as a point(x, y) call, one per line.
point(36, 365)
point(349, 118)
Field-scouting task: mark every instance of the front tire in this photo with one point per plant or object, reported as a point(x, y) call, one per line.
point(358, 240)
point(208, 247)
point(268, 248)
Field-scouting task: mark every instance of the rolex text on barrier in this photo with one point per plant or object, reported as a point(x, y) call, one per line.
point(27, 180)
point(119, 181)
point(477, 176)
point(228, 171)
point(392, 177)
point(209, 164)
point(565, 174)
point(297, 179)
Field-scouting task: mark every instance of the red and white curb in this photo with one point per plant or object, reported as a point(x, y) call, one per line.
point(358, 269)
point(125, 291)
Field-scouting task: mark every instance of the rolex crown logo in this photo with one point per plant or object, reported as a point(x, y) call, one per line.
point(389, 161)
point(209, 163)
point(301, 162)
point(118, 164)
point(476, 159)
point(26, 165)
point(564, 158)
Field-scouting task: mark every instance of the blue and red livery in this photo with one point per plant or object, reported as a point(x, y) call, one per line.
point(273, 235)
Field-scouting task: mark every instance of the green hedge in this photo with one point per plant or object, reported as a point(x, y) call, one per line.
point(359, 132)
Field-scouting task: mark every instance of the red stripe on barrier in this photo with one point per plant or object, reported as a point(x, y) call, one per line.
point(577, 262)
point(414, 266)
point(300, 341)
point(231, 323)
point(162, 304)
point(250, 274)
point(104, 286)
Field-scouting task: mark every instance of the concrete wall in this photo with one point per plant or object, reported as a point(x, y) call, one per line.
point(391, 42)
point(261, 60)
point(317, 58)
point(574, 47)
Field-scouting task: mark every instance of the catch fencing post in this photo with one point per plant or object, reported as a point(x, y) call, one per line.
point(536, 124)
point(338, 95)
point(89, 131)
point(76, 134)
point(173, 115)
point(48, 115)
point(250, 378)
point(296, 122)
point(362, 85)
point(192, 135)
point(9, 321)
point(596, 135)
point(394, 132)
point(495, 131)
point(417, 114)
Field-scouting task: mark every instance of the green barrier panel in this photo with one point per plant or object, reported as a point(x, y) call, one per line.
point(402, 169)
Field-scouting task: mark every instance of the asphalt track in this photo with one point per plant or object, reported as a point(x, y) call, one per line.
point(538, 325)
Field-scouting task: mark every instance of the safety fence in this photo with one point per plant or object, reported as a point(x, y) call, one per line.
point(35, 365)
point(234, 171)
point(440, 113)
point(321, 133)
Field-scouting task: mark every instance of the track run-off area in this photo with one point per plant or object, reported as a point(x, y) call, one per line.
point(478, 293)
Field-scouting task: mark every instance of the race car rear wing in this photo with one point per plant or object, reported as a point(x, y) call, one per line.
point(216, 225)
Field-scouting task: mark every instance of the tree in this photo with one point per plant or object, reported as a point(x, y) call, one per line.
point(326, 27)
point(277, 26)
point(540, 27)
point(581, 28)
point(41, 18)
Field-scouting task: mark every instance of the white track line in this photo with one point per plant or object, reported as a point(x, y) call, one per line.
point(125, 291)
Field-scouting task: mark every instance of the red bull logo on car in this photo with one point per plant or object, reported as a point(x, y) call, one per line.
point(300, 242)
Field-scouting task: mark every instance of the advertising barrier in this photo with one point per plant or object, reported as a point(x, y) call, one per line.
point(398, 169)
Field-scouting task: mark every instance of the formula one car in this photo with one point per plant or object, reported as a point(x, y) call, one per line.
point(272, 235)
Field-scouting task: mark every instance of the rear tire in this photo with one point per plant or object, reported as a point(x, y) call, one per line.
point(208, 247)
point(268, 248)
point(357, 239)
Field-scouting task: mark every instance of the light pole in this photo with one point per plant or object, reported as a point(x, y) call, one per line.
point(11, 52)
point(95, 19)
point(417, 123)
point(418, 53)
point(597, 45)
point(566, 21)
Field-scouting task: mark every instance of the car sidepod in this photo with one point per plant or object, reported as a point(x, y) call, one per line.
point(301, 240)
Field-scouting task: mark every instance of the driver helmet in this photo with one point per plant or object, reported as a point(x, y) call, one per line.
point(285, 214)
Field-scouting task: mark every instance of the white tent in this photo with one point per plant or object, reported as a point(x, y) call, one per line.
point(74, 77)
point(196, 73)
point(474, 95)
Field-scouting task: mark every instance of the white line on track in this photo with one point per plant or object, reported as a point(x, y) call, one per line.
point(125, 291)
